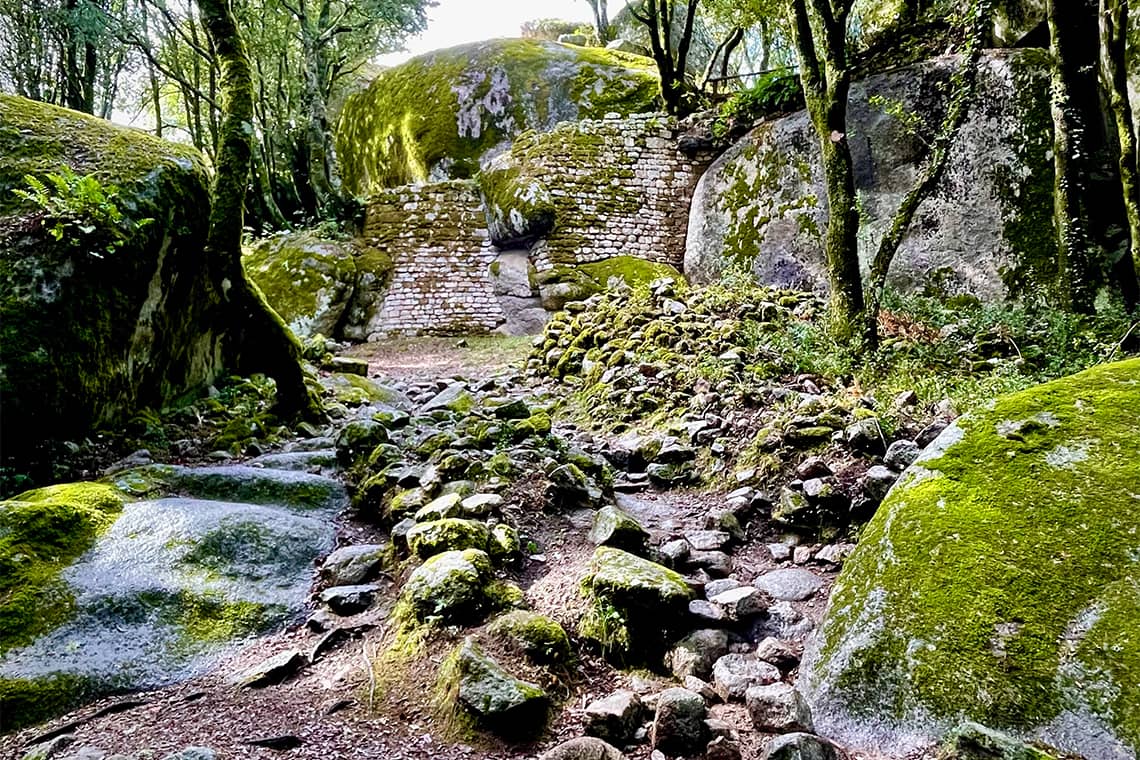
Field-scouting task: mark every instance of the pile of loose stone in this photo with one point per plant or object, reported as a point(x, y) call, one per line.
point(646, 359)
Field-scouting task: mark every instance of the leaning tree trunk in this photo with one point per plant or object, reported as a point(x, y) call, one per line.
point(1114, 36)
point(256, 338)
point(963, 86)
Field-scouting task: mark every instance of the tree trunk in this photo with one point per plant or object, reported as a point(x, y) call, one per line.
point(657, 16)
point(1114, 41)
point(601, 20)
point(826, 80)
point(257, 339)
point(1071, 129)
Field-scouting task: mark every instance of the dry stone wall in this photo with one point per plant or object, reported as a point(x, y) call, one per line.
point(618, 187)
point(441, 254)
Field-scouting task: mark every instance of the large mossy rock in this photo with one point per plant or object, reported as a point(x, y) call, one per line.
point(317, 285)
point(999, 582)
point(101, 593)
point(90, 335)
point(635, 605)
point(445, 114)
point(986, 229)
point(474, 682)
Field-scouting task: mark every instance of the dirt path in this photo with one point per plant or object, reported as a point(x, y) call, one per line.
point(333, 710)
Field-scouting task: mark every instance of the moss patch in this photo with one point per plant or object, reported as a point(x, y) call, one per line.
point(26, 702)
point(41, 533)
point(997, 580)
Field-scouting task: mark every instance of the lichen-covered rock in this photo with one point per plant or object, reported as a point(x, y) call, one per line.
point(635, 604)
point(496, 699)
point(445, 114)
point(312, 283)
point(998, 582)
point(91, 335)
point(986, 229)
point(157, 589)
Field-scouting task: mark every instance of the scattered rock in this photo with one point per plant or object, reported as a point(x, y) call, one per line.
point(583, 748)
point(734, 674)
point(452, 586)
point(742, 603)
point(350, 565)
point(679, 724)
point(452, 534)
point(615, 718)
point(722, 748)
point(696, 654)
point(801, 746)
point(499, 701)
point(778, 708)
point(614, 527)
point(277, 669)
point(349, 600)
point(901, 454)
point(777, 652)
point(789, 584)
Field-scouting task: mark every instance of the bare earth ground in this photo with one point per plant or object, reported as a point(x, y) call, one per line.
point(339, 707)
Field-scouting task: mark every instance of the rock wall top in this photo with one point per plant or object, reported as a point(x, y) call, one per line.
point(986, 230)
point(442, 115)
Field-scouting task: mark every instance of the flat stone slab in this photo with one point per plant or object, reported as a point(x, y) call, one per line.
point(790, 584)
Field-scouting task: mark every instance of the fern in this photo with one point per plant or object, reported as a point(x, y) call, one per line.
point(79, 210)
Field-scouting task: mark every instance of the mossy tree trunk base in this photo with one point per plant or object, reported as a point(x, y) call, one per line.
point(256, 338)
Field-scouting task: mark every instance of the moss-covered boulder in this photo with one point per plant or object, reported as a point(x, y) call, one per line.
point(985, 229)
point(454, 587)
point(999, 582)
point(450, 534)
point(565, 283)
point(443, 115)
point(635, 605)
point(97, 325)
point(317, 285)
point(473, 683)
point(102, 593)
point(541, 638)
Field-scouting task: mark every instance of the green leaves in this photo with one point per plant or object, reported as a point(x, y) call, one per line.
point(80, 210)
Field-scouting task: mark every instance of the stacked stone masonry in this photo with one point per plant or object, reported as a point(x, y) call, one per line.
point(620, 187)
point(441, 253)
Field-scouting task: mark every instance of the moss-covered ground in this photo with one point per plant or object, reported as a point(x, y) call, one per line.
point(41, 532)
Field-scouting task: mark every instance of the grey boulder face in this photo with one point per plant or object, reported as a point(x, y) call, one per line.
point(500, 702)
point(763, 205)
point(309, 281)
point(176, 583)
